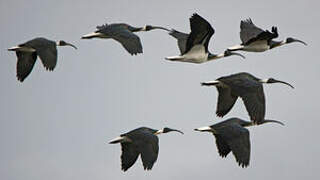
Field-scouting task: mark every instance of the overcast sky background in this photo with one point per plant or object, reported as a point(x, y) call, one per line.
point(56, 125)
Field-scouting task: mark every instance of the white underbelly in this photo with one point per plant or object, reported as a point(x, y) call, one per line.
point(197, 54)
point(258, 46)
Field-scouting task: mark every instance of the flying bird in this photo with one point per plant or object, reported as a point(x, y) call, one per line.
point(246, 86)
point(194, 46)
point(141, 141)
point(123, 33)
point(231, 135)
point(27, 54)
point(255, 39)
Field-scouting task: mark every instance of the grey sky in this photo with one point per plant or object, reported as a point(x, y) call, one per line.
point(56, 125)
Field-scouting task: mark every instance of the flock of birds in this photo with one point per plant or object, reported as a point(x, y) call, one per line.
point(231, 134)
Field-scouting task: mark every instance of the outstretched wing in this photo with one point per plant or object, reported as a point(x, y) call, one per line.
point(255, 104)
point(222, 145)
point(129, 41)
point(238, 140)
point(48, 57)
point(250, 33)
point(201, 32)
point(251, 91)
point(225, 101)
point(181, 38)
point(241, 83)
point(129, 155)
point(149, 149)
point(46, 50)
point(121, 33)
point(25, 63)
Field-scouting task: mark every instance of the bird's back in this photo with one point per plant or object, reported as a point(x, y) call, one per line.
point(228, 122)
point(241, 83)
point(140, 133)
point(40, 42)
point(113, 28)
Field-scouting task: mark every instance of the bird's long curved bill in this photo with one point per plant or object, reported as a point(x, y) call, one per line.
point(237, 54)
point(69, 44)
point(271, 121)
point(299, 41)
point(176, 131)
point(159, 27)
point(277, 81)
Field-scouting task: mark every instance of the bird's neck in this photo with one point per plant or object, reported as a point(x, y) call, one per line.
point(263, 80)
point(215, 56)
point(137, 29)
point(274, 44)
point(158, 132)
point(248, 124)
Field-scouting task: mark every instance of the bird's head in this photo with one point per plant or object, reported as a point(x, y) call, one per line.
point(149, 28)
point(166, 130)
point(63, 43)
point(271, 80)
point(291, 40)
point(230, 53)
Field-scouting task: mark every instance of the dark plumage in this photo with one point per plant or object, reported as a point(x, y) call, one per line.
point(27, 54)
point(124, 34)
point(194, 46)
point(231, 135)
point(181, 38)
point(250, 33)
point(243, 85)
point(141, 141)
point(254, 39)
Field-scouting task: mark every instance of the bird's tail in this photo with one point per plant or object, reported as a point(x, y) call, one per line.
point(210, 83)
point(120, 139)
point(91, 35)
point(14, 48)
point(235, 48)
point(174, 58)
point(204, 129)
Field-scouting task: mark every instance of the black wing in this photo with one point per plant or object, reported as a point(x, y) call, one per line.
point(201, 32)
point(255, 104)
point(241, 83)
point(25, 63)
point(46, 50)
point(238, 140)
point(129, 155)
point(149, 149)
point(129, 41)
point(223, 147)
point(225, 101)
point(123, 35)
point(250, 33)
point(250, 90)
point(181, 38)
